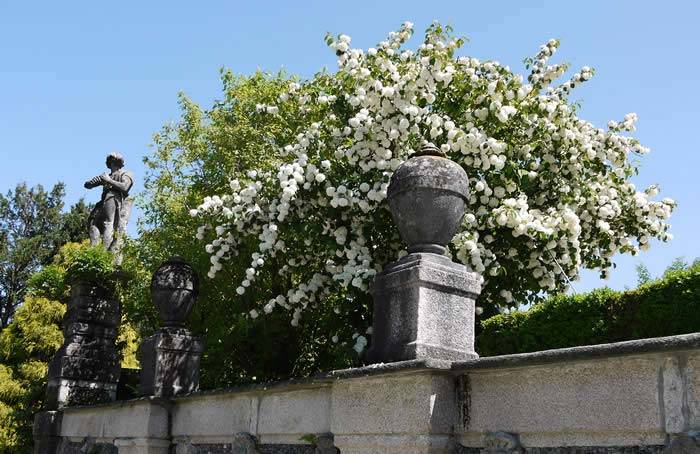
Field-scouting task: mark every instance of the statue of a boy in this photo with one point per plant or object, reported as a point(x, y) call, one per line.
point(111, 213)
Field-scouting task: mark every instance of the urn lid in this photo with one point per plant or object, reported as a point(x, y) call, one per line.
point(429, 169)
point(175, 274)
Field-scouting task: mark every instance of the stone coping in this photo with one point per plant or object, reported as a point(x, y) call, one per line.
point(146, 400)
point(413, 365)
point(294, 384)
point(325, 379)
point(585, 352)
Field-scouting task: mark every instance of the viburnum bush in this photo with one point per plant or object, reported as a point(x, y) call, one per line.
point(550, 193)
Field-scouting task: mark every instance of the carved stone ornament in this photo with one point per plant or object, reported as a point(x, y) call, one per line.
point(502, 443)
point(174, 290)
point(427, 196)
point(325, 444)
point(245, 443)
point(684, 443)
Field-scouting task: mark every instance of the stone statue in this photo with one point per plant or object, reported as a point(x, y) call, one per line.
point(107, 221)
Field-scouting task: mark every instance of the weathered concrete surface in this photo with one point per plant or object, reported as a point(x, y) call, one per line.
point(294, 412)
point(407, 412)
point(692, 380)
point(591, 403)
point(136, 426)
point(277, 416)
point(636, 393)
point(214, 419)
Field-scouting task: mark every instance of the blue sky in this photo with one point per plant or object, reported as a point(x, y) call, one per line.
point(80, 79)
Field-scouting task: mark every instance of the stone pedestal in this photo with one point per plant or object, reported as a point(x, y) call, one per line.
point(424, 308)
point(47, 431)
point(85, 370)
point(170, 363)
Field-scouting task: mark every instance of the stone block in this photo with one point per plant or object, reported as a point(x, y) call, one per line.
point(141, 419)
point(170, 363)
point(284, 417)
point(411, 413)
point(602, 402)
point(88, 368)
point(424, 308)
point(673, 390)
point(88, 445)
point(64, 392)
point(213, 419)
point(692, 375)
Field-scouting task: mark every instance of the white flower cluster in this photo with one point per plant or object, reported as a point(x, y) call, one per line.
point(550, 192)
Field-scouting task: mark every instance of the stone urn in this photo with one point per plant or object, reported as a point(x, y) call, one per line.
point(174, 290)
point(427, 198)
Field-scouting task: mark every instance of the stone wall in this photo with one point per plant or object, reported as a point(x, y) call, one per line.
point(638, 393)
point(630, 397)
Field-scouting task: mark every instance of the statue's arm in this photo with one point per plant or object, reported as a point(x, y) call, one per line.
point(93, 182)
point(123, 186)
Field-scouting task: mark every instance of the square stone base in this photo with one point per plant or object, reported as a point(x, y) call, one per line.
point(424, 308)
point(170, 363)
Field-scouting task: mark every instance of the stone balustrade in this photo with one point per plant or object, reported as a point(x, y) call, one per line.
point(427, 390)
point(629, 397)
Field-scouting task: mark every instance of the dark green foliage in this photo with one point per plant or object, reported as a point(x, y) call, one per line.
point(91, 264)
point(664, 307)
point(50, 281)
point(32, 228)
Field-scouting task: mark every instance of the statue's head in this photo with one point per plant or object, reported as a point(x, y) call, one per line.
point(115, 160)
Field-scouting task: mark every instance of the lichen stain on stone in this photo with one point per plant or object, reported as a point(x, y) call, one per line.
point(463, 396)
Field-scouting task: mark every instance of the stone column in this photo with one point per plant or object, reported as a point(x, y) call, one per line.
point(424, 302)
point(85, 370)
point(170, 358)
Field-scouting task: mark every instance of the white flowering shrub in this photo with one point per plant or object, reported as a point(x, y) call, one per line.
point(550, 192)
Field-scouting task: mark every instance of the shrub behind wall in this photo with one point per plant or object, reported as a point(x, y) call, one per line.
point(665, 307)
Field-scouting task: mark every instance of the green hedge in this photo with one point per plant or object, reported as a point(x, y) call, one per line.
point(667, 306)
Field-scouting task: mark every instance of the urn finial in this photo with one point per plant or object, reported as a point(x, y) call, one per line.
point(427, 199)
point(174, 290)
point(429, 149)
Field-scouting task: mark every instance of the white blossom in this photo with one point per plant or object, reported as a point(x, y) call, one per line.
point(549, 191)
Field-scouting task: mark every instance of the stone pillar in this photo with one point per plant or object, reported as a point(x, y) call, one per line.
point(85, 370)
point(170, 363)
point(47, 431)
point(424, 308)
point(170, 358)
point(424, 302)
